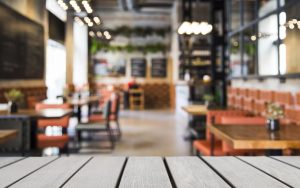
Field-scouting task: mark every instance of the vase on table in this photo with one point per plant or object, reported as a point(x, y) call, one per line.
point(273, 124)
point(12, 107)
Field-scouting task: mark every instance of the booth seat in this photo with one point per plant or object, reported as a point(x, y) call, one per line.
point(214, 116)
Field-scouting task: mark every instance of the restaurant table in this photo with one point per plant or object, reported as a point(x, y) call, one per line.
point(6, 135)
point(256, 136)
point(195, 109)
point(34, 116)
point(196, 125)
point(156, 172)
point(76, 102)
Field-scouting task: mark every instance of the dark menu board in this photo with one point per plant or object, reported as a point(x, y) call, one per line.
point(159, 68)
point(138, 67)
point(21, 46)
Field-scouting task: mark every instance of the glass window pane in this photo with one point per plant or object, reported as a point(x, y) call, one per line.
point(290, 36)
point(250, 51)
point(235, 57)
point(235, 14)
point(267, 48)
point(250, 11)
point(266, 6)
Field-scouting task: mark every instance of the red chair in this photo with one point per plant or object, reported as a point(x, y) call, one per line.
point(114, 113)
point(214, 116)
point(59, 141)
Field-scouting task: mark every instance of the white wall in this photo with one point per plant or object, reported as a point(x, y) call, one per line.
point(80, 59)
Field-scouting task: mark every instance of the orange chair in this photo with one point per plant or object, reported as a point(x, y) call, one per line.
point(260, 105)
point(298, 99)
point(60, 141)
point(214, 116)
point(283, 98)
point(114, 113)
point(249, 102)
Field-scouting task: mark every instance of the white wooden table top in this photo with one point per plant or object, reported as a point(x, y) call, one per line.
point(153, 172)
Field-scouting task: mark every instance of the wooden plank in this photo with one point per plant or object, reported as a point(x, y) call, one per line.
point(18, 170)
point(240, 174)
point(277, 169)
point(193, 172)
point(195, 109)
point(99, 172)
point(4, 161)
point(145, 172)
point(55, 174)
point(292, 160)
point(6, 135)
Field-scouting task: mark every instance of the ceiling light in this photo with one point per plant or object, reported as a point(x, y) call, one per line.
point(99, 34)
point(91, 33)
point(90, 24)
point(253, 38)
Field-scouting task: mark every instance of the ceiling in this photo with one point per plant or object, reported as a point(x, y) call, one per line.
point(152, 6)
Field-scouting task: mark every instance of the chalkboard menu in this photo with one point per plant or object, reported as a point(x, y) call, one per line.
point(159, 68)
point(21, 46)
point(138, 67)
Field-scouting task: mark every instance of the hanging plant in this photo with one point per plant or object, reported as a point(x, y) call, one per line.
point(129, 48)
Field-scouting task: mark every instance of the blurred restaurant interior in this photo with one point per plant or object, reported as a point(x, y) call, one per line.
point(149, 77)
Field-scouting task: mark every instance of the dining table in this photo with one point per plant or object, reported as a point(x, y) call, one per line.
point(77, 103)
point(6, 135)
point(150, 171)
point(195, 110)
point(33, 117)
point(256, 137)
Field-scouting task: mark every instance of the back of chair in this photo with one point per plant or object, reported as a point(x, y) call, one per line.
point(107, 112)
point(115, 106)
point(226, 120)
point(42, 106)
point(61, 122)
point(214, 117)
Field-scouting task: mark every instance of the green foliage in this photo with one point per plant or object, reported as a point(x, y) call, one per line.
point(14, 95)
point(274, 111)
point(139, 31)
point(129, 48)
point(208, 97)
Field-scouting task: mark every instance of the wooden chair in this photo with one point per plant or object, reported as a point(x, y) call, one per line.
point(98, 126)
point(114, 113)
point(136, 99)
point(44, 140)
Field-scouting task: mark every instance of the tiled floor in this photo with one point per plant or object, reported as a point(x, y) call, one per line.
point(147, 133)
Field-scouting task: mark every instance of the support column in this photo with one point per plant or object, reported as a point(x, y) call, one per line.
point(69, 47)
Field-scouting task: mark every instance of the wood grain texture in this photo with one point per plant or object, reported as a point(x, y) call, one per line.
point(257, 136)
point(145, 172)
point(99, 172)
point(45, 114)
point(284, 172)
point(293, 160)
point(18, 170)
point(8, 160)
point(195, 109)
point(6, 135)
point(192, 172)
point(54, 174)
point(240, 174)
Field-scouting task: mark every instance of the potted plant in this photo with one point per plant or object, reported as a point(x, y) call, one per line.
point(274, 113)
point(13, 97)
point(208, 100)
